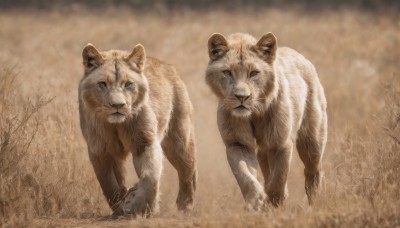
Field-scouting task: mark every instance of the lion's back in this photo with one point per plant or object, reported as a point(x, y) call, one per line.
point(168, 94)
point(300, 72)
point(303, 86)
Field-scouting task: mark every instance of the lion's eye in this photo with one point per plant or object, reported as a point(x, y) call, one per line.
point(254, 73)
point(102, 85)
point(128, 84)
point(227, 73)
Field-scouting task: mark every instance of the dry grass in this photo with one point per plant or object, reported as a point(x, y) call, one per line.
point(46, 177)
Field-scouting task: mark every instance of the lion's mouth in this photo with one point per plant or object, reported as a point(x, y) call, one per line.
point(241, 107)
point(116, 117)
point(117, 114)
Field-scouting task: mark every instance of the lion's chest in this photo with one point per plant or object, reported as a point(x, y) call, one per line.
point(265, 132)
point(272, 129)
point(125, 138)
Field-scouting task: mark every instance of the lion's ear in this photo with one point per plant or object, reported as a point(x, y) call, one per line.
point(266, 47)
point(137, 57)
point(91, 57)
point(217, 46)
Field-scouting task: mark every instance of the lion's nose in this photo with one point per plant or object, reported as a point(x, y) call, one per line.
point(117, 105)
point(242, 98)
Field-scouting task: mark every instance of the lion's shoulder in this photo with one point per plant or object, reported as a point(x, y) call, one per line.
point(292, 57)
point(160, 69)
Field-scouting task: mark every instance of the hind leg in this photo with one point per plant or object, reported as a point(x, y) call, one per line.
point(274, 164)
point(264, 166)
point(311, 145)
point(179, 148)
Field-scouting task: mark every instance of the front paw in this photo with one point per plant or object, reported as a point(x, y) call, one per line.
point(135, 204)
point(256, 201)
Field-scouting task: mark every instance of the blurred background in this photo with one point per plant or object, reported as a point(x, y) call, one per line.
point(46, 178)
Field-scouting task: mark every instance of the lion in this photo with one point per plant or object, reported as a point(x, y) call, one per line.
point(270, 99)
point(130, 103)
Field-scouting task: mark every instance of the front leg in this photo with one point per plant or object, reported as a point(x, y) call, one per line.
point(243, 163)
point(143, 199)
point(147, 156)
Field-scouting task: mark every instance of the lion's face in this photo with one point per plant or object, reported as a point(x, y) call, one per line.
point(240, 72)
point(114, 86)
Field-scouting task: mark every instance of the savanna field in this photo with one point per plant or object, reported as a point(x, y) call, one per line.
point(46, 177)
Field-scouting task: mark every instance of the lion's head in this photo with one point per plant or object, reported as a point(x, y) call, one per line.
point(113, 87)
point(240, 71)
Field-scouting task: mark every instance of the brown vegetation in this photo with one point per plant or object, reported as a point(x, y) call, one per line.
point(45, 174)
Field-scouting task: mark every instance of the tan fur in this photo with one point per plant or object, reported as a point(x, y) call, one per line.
point(132, 104)
point(283, 104)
